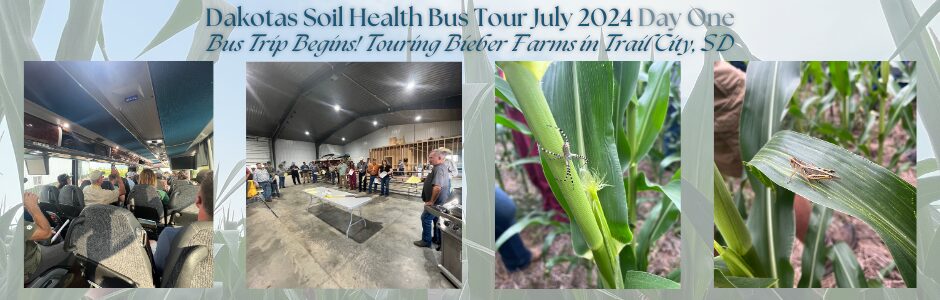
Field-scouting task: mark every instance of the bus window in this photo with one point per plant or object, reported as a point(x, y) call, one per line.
point(85, 168)
point(56, 166)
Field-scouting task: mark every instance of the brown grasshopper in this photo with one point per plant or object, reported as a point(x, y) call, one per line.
point(810, 172)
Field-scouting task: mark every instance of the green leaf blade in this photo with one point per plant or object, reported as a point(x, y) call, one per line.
point(864, 190)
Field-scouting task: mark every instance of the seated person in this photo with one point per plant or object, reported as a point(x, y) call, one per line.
point(38, 230)
point(94, 194)
point(204, 202)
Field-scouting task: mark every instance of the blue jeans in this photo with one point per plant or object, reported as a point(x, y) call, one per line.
point(385, 181)
point(280, 180)
point(265, 189)
point(513, 252)
point(427, 223)
point(274, 189)
point(372, 185)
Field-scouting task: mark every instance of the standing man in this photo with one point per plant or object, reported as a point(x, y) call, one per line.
point(315, 170)
point(341, 173)
point(275, 190)
point(295, 173)
point(361, 168)
point(436, 190)
point(263, 180)
point(305, 173)
point(373, 173)
point(281, 174)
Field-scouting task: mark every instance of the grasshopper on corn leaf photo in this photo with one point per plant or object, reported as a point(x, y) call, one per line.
point(588, 175)
point(814, 174)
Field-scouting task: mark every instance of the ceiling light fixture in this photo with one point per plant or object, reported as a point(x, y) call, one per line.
point(307, 132)
point(344, 139)
point(410, 86)
point(375, 123)
point(336, 107)
point(65, 125)
point(418, 118)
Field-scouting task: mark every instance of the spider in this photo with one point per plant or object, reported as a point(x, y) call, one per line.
point(565, 154)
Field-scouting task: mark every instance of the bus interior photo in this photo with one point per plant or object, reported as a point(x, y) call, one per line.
point(120, 157)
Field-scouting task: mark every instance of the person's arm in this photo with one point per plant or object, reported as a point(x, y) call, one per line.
point(435, 192)
point(44, 230)
point(121, 189)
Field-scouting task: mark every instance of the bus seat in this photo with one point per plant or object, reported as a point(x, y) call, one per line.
point(189, 262)
point(147, 204)
point(71, 200)
point(49, 194)
point(72, 196)
point(182, 196)
point(111, 247)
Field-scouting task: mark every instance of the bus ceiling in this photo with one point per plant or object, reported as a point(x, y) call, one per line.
point(144, 112)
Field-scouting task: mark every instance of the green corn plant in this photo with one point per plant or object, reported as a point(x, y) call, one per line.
point(754, 250)
point(604, 117)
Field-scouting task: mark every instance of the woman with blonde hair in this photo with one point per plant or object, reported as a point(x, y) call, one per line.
point(148, 177)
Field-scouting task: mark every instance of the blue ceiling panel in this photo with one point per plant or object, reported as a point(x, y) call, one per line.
point(49, 86)
point(184, 101)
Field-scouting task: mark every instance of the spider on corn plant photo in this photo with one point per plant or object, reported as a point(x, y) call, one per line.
point(814, 174)
point(588, 188)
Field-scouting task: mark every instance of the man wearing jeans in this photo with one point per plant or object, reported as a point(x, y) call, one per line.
point(361, 168)
point(281, 172)
point(436, 190)
point(263, 179)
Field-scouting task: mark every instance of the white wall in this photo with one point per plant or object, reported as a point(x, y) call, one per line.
point(294, 151)
point(410, 132)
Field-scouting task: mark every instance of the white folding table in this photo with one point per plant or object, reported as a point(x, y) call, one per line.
point(342, 200)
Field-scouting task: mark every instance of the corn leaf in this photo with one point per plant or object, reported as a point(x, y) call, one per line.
point(513, 124)
point(625, 78)
point(663, 215)
point(849, 273)
point(864, 190)
point(504, 92)
point(729, 222)
point(651, 110)
point(722, 281)
point(579, 95)
point(814, 249)
point(769, 87)
point(81, 31)
point(643, 280)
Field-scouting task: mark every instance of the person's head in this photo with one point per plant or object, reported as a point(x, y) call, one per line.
point(205, 199)
point(162, 182)
point(63, 180)
point(438, 155)
point(182, 175)
point(113, 178)
point(132, 169)
point(258, 166)
point(96, 177)
point(147, 176)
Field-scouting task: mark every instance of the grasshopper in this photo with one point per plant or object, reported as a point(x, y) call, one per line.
point(810, 172)
point(565, 154)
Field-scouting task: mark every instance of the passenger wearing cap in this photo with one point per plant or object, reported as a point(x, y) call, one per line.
point(94, 194)
point(63, 180)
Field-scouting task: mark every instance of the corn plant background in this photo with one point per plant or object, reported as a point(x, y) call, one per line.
point(858, 112)
point(795, 30)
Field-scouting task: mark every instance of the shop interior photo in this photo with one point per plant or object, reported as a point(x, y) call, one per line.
point(342, 160)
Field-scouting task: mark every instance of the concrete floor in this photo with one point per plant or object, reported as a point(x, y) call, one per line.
point(298, 250)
